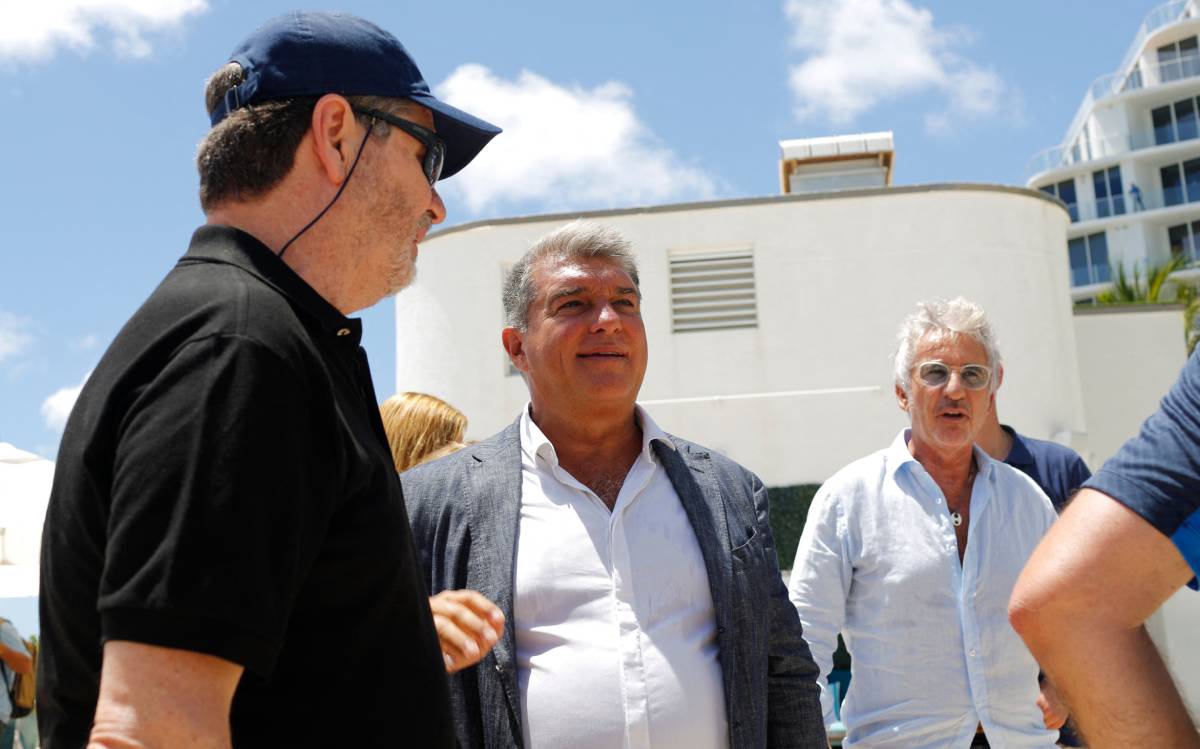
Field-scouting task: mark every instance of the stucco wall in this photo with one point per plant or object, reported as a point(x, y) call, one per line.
point(1128, 359)
point(835, 275)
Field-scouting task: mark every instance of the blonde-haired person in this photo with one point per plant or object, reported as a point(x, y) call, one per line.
point(421, 428)
point(418, 424)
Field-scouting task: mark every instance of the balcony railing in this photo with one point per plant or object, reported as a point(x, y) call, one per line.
point(1058, 156)
point(1132, 78)
point(1145, 76)
point(1131, 202)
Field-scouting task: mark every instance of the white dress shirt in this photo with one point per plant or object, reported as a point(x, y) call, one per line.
point(615, 633)
point(933, 654)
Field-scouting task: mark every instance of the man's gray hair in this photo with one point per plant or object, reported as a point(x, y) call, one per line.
point(578, 240)
point(939, 319)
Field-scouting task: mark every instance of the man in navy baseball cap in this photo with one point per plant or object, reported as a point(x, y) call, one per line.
point(227, 559)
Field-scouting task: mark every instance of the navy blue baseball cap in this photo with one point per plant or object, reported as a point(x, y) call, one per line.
point(312, 54)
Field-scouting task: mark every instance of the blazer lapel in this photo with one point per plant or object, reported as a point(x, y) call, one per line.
point(690, 474)
point(495, 503)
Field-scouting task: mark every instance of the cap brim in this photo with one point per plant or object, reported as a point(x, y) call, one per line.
point(464, 134)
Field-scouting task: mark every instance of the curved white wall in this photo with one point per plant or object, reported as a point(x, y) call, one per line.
point(835, 275)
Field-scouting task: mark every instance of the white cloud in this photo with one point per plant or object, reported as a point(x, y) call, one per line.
point(57, 407)
point(33, 31)
point(863, 52)
point(564, 147)
point(86, 343)
point(13, 338)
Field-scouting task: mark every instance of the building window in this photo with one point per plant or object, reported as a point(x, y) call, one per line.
point(1181, 182)
point(1174, 122)
point(1110, 196)
point(1064, 191)
point(1179, 60)
point(1183, 240)
point(712, 290)
point(1089, 259)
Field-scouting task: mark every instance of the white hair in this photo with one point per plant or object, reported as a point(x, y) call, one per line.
point(938, 319)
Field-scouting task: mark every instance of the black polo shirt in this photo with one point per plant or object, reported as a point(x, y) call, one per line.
point(224, 486)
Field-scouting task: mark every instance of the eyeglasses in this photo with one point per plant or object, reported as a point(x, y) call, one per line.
point(435, 147)
point(936, 373)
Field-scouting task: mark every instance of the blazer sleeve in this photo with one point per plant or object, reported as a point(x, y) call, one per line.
point(793, 697)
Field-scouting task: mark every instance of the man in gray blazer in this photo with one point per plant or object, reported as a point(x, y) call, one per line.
point(636, 571)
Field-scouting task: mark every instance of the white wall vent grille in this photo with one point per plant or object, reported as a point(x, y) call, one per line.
point(713, 290)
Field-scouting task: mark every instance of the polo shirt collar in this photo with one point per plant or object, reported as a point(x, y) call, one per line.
point(1019, 455)
point(215, 243)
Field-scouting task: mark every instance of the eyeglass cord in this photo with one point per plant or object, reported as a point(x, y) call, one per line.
point(336, 195)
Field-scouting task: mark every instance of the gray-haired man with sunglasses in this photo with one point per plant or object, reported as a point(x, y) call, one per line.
point(911, 553)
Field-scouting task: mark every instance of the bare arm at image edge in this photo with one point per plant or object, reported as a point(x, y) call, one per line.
point(16, 660)
point(1080, 605)
point(153, 696)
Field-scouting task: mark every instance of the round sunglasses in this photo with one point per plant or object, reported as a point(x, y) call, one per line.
point(937, 373)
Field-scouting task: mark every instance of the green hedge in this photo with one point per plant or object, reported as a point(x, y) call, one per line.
point(789, 508)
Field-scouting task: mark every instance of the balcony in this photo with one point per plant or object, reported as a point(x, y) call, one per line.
point(1145, 76)
point(1060, 156)
point(1130, 202)
point(1130, 78)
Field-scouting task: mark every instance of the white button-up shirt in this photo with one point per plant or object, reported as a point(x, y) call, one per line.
point(615, 633)
point(933, 654)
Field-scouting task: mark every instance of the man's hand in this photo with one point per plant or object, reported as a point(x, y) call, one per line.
point(468, 625)
point(1054, 707)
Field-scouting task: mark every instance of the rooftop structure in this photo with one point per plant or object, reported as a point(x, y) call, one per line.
point(838, 162)
point(1129, 167)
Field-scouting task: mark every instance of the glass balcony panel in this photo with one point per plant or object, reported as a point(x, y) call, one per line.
point(1164, 129)
point(1172, 185)
point(1178, 239)
point(1077, 251)
point(1185, 119)
point(1098, 252)
point(1115, 192)
point(1191, 178)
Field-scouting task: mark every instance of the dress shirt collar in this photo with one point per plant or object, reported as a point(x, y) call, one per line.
point(535, 444)
point(899, 457)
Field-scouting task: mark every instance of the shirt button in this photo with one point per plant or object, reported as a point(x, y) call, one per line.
point(972, 652)
point(343, 332)
point(938, 500)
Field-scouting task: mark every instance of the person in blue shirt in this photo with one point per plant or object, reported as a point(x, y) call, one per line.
point(1057, 469)
point(1129, 539)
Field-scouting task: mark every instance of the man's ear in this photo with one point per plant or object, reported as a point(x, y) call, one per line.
point(999, 377)
point(514, 345)
point(901, 397)
point(335, 136)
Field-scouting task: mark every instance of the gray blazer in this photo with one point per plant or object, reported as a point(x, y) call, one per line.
point(464, 511)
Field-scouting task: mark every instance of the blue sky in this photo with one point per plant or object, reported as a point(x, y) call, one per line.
point(619, 103)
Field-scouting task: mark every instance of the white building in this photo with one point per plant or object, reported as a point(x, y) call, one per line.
point(1129, 166)
point(772, 320)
